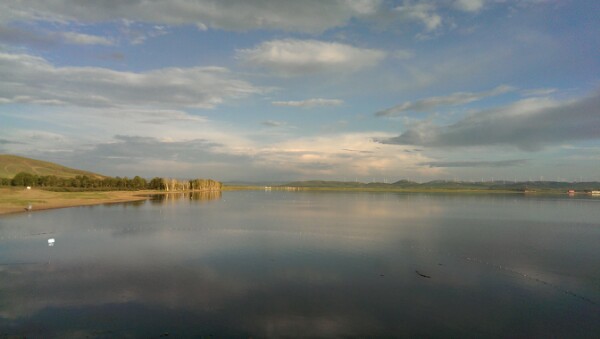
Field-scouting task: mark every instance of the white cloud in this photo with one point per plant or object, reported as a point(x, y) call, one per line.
point(423, 12)
point(137, 33)
point(78, 134)
point(453, 99)
point(478, 163)
point(529, 124)
point(86, 39)
point(272, 123)
point(291, 57)
point(469, 5)
point(186, 149)
point(31, 139)
point(30, 79)
point(346, 154)
point(16, 35)
point(21, 36)
point(311, 16)
point(536, 92)
point(309, 103)
point(403, 54)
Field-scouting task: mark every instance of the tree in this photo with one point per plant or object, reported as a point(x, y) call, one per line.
point(24, 179)
point(156, 184)
point(138, 183)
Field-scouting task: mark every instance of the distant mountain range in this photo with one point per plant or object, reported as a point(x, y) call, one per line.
point(451, 185)
point(10, 165)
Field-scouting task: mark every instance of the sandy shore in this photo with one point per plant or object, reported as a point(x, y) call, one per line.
point(16, 199)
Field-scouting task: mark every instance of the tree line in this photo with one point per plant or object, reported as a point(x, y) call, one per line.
point(111, 183)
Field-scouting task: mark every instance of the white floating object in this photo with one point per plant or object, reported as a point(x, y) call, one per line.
point(51, 242)
point(28, 187)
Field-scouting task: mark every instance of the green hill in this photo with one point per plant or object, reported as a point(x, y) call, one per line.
point(10, 165)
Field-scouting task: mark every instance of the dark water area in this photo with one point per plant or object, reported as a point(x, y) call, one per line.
point(305, 264)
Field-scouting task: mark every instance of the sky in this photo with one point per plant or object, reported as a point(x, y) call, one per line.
point(282, 90)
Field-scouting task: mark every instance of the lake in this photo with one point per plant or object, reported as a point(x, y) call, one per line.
point(305, 264)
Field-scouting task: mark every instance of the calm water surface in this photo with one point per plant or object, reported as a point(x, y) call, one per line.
point(306, 264)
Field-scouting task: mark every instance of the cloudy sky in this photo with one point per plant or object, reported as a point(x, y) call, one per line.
point(287, 90)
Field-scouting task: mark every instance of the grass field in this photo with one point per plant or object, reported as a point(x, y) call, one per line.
point(15, 199)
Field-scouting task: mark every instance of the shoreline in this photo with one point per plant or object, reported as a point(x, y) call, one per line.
point(14, 200)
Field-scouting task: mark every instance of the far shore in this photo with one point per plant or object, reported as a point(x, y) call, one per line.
point(17, 199)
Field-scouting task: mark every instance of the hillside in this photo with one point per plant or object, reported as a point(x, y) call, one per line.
point(10, 165)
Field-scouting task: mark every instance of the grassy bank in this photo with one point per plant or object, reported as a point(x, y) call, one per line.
point(16, 199)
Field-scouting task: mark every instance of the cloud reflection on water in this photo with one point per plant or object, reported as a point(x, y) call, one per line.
point(271, 264)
